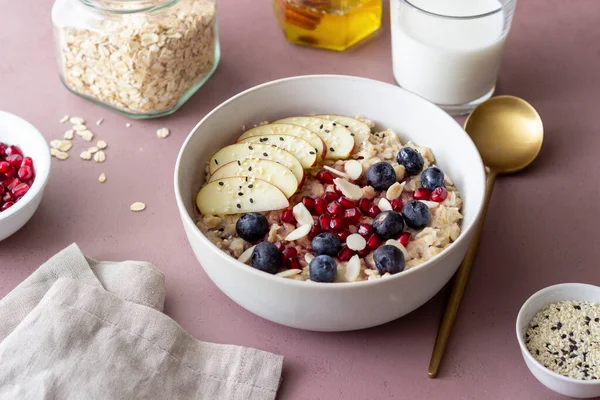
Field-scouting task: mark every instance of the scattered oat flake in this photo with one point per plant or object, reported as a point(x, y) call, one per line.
point(92, 149)
point(77, 120)
point(80, 128)
point(65, 145)
point(69, 135)
point(102, 178)
point(86, 135)
point(101, 144)
point(128, 125)
point(101, 120)
point(85, 155)
point(61, 155)
point(100, 156)
point(64, 119)
point(163, 133)
point(55, 143)
point(137, 206)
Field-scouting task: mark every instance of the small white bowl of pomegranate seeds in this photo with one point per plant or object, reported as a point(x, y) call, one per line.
point(24, 171)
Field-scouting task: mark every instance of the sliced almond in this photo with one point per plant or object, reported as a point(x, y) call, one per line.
point(100, 156)
point(394, 191)
point(352, 269)
point(101, 144)
point(336, 172)
point(356, 242)
point(353, 168)
point(162, 133)
point(55, 143)
point(298, 233)
point(137, 206)
point(69, 135)
point(93, 149)
point(302, 215)
point(77, 120)
point(400, 171)
point(85, 155)
point(246, 255)
point(308, 258)
point(350, 190)
point(80, 128)
point(289, 273)
point(430, 204)
point(64, 119)
point(65, 145)
point(384, 204)
point(448, 180)
point(102, 178)
point(395, 243)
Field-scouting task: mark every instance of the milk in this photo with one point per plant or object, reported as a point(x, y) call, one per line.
point(447, 61)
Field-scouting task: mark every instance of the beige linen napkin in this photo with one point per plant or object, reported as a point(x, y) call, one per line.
point(83, 329)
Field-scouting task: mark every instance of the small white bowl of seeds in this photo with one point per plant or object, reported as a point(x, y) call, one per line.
point(558, 329)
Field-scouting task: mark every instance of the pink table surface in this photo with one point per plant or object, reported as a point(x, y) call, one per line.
point(541, 228)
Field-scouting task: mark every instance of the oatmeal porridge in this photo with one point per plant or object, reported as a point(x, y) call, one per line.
point(329, 199)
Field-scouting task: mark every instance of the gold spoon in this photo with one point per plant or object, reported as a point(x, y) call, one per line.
point(508, 133)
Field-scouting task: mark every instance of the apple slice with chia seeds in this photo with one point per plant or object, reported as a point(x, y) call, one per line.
point(266, 170)
point(359, 130)
point(291, 130)
point(236, 195)
point(338, 140)
point(241, 151)
point(301, 149)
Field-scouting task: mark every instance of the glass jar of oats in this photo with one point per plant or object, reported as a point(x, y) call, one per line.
point(142, 58)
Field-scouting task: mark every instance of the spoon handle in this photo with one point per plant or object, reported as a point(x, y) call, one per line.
point(458, 287)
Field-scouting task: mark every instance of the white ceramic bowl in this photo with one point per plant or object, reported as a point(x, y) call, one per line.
point(552, 294)
point(325, 306)
point(17, 131)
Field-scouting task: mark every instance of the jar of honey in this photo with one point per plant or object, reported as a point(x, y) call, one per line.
point(329, 24)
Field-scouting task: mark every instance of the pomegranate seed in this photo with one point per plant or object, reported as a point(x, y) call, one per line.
point(290, 252)
point(15, 182)
point(308, 202)
point(15, 160)
point(346, 202)
point(27, 161)
point(7, 182)
point(365, 204)
point(11, 173)
point(373, 242)
point(404, 238)
point(320, 206)
point(295, 263)
point(7, 205)
point(373, 211)
point(25, 173)
point(279, 246)
point(330, 196)
point(335, 209)
point(324, 177)
point(352, 215)
point(3, 147)
point(4, 166)
point(365, 230)
point(13, 150)
point(20, 190)
point(8, 196)
point(324, 221)
point(336, 223)
point(345, 254)
point(314, 231)
point(422, 194)
point(439, 194)
point(2, 189)
point(343, 235)
point(397, 205)
point(364, 252)
point(288, 217)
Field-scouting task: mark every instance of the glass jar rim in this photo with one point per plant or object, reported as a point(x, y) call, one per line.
point(461, 17)
point(112, 6)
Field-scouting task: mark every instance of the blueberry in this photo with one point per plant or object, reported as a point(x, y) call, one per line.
point(381, 175)
point(266, 257)
point(411, 159)
point(326, 243)
point(416, 214)
point(388, 224)
point(389, 259)
point(252, 226)
point(323, 269)
point(432, 178)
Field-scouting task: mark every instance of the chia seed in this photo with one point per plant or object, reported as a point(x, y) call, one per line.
point(549, 345)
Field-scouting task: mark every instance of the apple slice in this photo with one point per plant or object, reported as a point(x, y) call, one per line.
point(266, 170)
point(235, 195)
point(241, 151)
point(360, 130)
point(301, 149)
point(288, 129)
point(338, 140)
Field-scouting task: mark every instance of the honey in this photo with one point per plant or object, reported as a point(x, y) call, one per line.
point(329, 24)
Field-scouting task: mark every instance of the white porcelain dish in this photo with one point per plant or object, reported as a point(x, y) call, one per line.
point(552, 294)
point(320, 306)
point(17, 131)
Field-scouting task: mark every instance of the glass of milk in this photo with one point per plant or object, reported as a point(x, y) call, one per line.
point(449, 51)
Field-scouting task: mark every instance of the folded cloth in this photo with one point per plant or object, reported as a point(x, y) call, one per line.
point(83, 329)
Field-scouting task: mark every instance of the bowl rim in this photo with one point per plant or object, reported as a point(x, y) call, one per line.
point(40, 180)
point(520, 316)
point(187, 220)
